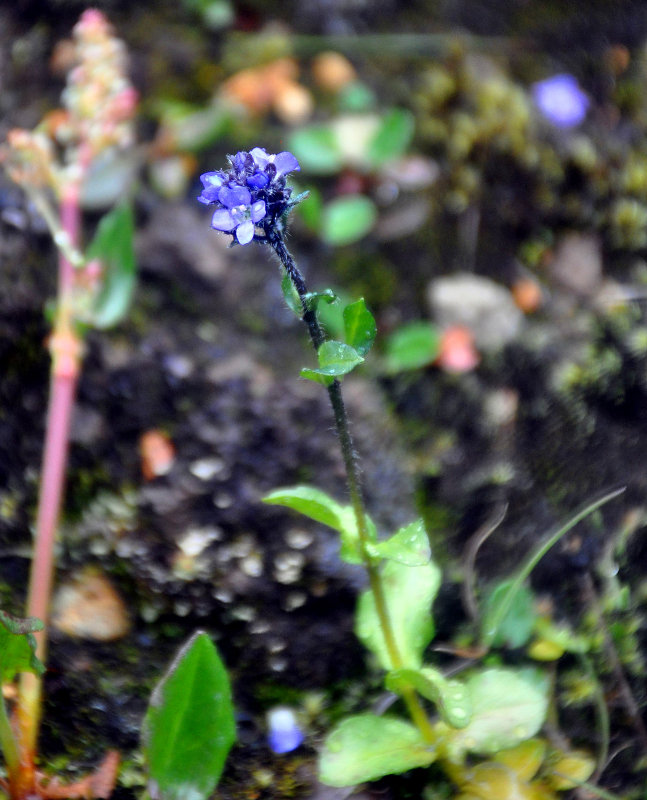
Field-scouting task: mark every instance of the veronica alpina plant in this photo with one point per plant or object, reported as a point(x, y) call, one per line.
point(493, 712)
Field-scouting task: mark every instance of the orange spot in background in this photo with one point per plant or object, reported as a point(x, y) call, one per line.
point(457, 350)
point(527, 295)
point(157, 454)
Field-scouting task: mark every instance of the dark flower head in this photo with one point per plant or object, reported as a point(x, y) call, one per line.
point(251, 194)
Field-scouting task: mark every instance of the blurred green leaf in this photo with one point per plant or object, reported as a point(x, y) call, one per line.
point(215, 14)
point(335, 359)
point(392, 138)
point(357, 97)
point(450, 696)
point(316, 149)
point(409, 593)
point(359, 327)
point(508, 706)
point(347, 219)
point(413, 345)
point(189, 727)
point(18, 646)
point(310, 210)
point(516, 625)
point(410, 546)
point(366, 747)
point(113, 246)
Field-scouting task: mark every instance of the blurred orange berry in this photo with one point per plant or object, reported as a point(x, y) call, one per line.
point(332, 71)
point(527, 294)
point(457, 350)
point(157, 454)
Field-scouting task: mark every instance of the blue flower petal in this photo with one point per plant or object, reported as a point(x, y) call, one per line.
point(285, 162)
point(212, 179)
point(209, 195)
point(258, 210)
point(258, 180)
point(245, 232)
point(260, 156)
point(222, 220)
point(235, 195)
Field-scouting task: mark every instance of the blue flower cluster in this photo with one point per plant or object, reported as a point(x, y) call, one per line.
point(251, 192)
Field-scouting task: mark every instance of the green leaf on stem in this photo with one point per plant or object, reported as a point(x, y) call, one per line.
point(410, 545)
point(18, 646)
point(359, 327)
point(414, 345)
point(409, 593)
point(392, 137)
point(290, 294)
point(335, 359)
point(450, 696)
point(508, 706)
point(313, 298)
point(189, 727)
point(366, 747)
point(310, 502)
point(113, 246)
point(347, 219)
point(322, 508)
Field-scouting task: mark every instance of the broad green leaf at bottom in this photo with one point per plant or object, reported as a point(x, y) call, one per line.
point(366, 747)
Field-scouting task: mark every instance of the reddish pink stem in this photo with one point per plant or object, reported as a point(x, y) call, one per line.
point(65, 348)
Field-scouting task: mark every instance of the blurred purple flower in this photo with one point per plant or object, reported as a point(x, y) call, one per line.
point(252, 191)
point(561, 100)
point(284, 734)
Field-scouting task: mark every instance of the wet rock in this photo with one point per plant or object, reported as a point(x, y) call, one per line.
point(478, 303)
point(89, 607)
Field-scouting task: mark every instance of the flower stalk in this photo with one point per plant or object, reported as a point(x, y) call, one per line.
point(252, 201)
point(99, 105)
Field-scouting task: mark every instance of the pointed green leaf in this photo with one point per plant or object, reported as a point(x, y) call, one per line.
point(392, 137)
point(347, 219)
point(410, 545)
point(18, 646)
point(450, 696)
point(310, 502)
point(516, 625)
point(508, 706)
point(359, 327)
point(335, 359)
point(189, 727)
point(113, 246)
point(322, 508)
point(366, 747)
point(291, 295)
point(409, 593)
point(412, 346)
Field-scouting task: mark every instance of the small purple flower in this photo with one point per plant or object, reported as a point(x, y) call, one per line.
point(251, 193)
point(284, 734)
point(237, 213)
point(561, 100)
